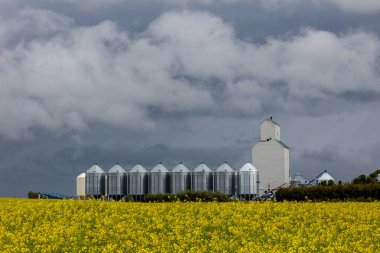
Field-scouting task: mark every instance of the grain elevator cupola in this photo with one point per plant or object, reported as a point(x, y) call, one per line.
point(269, 129)
point(271, 156)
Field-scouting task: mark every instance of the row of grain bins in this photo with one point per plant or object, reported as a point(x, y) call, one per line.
point(117, 182)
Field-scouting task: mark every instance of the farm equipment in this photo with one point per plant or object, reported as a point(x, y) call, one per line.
point(43, 195)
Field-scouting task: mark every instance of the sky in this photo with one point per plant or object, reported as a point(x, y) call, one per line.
point(131, 81)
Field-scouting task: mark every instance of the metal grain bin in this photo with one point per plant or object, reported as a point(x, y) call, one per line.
point(116, 182)
point(225, 179)
point(95, 181)
point(179, 178)
point(158, 180)
point(248, 181)
point(298, 181)
point(137, 180)
point(201, 178)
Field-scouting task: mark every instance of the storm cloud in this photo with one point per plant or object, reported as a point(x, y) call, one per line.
point(183, 86)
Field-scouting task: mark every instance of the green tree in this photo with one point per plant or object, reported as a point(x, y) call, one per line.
point(362, 179)
point(375, 175)
point(33, 195)
point(371, 179)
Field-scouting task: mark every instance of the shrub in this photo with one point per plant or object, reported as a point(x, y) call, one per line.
point(189, 196)
point(158, 198)
point(371, 179)
point(203, 196)
point(360, 192)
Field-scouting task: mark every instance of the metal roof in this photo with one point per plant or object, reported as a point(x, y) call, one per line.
point(248, 167)
point(325, 177)
point(159, 168)
point(224, 167)
point(300, 179)
point(117, 169)
point(270, 119)
point(180, 168)
point(95, 169)
point(138, 168)
point(202, 168)
point(282, 144)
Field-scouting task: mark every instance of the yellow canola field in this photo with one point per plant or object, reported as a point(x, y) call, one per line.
point(96, 226)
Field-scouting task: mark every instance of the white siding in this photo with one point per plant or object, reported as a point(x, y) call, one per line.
point(286, 167)
point(81, 185)
point(269, 130)
point(272, 160)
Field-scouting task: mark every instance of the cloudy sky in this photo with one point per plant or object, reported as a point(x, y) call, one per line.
point(131, 81)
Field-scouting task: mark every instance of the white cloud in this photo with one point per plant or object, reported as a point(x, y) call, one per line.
point(32, 24)
point(204, 44)
point(318, 61)
point(68, 77)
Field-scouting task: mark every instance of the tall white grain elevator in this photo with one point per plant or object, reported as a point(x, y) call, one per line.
point(271, 156)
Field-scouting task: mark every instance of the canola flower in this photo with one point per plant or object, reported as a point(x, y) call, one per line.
point(96, 226)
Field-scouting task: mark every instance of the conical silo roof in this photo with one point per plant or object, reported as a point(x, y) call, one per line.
point(95, 169)
point(325, 177)
point(300, 179)
point(202, 168)
point(248, 167)
point(138, 168)
point(224, 167)
point(180, 168)
point(117, 169)
point(159, 168)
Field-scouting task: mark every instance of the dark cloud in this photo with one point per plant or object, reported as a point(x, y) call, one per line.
point(337, 162)
point(53, 166)
point(360, 96)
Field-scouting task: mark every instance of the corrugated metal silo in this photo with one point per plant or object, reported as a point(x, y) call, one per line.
point(95, 181)
point(137, 180)
point(179, 179)
point(158, 180)
point(116, 182)
point(201, 178)
point(81, 185)
point(225, 179)
point(248, 180)
point(298, 181)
